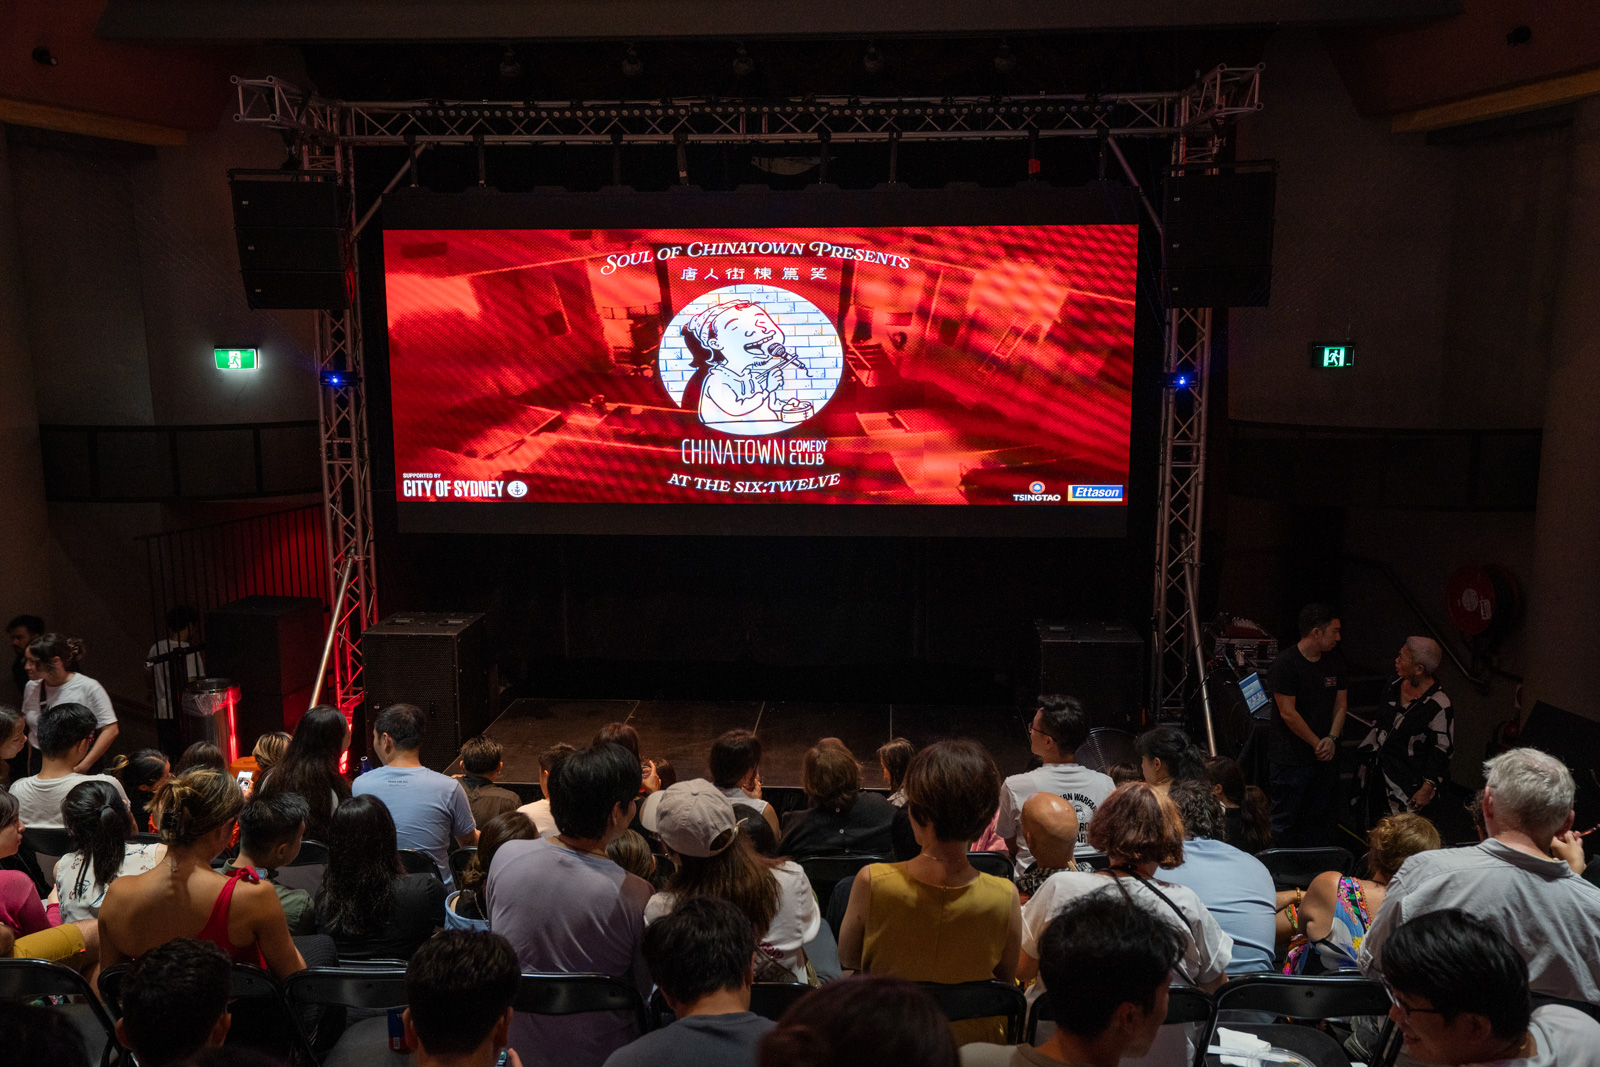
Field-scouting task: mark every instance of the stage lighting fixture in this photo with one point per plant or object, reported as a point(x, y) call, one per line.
point(1178, 379)
point(632, 65)
point(340, 379)
point(742, 63)
point(872, 60)
point(1005, 60)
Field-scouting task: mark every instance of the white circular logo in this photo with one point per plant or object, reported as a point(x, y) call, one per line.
point(1035, 487)
point(517, 488)
point(751, 360)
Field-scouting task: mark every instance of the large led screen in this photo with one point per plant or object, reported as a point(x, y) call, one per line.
point(726, 366)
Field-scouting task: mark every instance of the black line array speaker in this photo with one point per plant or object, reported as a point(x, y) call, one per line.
point(1575, 741)
point(1218, 239)
point(269, 646)
point(292, 243)
point(438, 661)
point(1100, 663)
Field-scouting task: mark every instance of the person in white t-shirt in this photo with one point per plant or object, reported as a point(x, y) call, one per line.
point(1058, 727)
point(539, 810)
point(65, 733)
point(700, 828)
point(1139, 831)
point(52, 662)
point(184, 669)
point(1460, 996)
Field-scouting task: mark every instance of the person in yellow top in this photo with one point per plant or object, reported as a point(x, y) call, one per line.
point(934, 918)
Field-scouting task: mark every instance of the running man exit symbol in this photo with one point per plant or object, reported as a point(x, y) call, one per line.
point(1333, 356)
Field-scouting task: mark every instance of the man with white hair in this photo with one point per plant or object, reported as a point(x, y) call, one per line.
point(1406, 756)
point(1518, 880)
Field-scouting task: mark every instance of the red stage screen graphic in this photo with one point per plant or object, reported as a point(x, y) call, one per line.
point(839, 365)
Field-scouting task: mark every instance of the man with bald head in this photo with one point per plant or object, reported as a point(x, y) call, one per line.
point(1050, 829)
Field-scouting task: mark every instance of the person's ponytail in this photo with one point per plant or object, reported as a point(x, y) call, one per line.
point(194, 804)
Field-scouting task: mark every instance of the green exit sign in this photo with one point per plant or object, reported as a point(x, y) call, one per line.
point(235, 358)
point(1333, 356)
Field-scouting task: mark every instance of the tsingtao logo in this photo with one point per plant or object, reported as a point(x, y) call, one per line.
point(517, 488)
point(1036, 487)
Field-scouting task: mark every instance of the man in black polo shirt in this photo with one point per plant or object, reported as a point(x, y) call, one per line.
point(1309, 694)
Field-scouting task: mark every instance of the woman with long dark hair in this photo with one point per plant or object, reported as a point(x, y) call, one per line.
point(1166, 754)
point(1247, 814)
point(894, 756)
point(103, 847)
point(13, 736)
point(367, 902)
point(467, 908)
point(52, 664)
point(141, 774)
point(310, 767)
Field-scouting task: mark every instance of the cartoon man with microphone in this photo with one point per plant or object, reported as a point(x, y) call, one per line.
point(739, 359)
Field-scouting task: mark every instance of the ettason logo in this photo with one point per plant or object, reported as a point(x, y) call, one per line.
point(751, 360)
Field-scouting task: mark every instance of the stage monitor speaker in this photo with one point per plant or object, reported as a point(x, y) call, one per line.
point(290, 226)
point(1100, 663)
point(1575, 741)
point(438, 661)
point(270, 647)
point(1218, 239)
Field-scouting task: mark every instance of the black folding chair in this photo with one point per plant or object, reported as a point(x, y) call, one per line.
point(1294, 868)
point(372, 986)
point(46, 847)
point(767, 999)
point(273, 1027)
point(1185, 1004)
point(1317, 997)
point(576, 994)
point(418, 862)
point(996, 863)
point(26, 979)
point(306, 872)
point(461, 858)
point(147, 839)
point(981, 1000)
point(825, 872)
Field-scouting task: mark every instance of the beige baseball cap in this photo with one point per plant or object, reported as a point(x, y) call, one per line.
point(692, 818)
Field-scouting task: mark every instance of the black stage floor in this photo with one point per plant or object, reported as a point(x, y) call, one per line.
point(682, 731)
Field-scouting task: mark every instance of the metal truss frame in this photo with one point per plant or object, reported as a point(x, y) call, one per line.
point(1197, 120)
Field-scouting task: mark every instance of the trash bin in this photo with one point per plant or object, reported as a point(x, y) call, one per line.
point(208, 714)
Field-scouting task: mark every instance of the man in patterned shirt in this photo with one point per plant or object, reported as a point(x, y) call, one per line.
point(1406, 756)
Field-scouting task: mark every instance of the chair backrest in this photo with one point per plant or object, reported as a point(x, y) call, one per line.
point(574, 994)
point(1323, 996)
point(980, 1000)
point(461, 858)
point(26, 979)
point(824, 872)
point(46, 847)
point(996, 863)
point(771, 999)
point(249, 983)
point(1185, 1005)
point(416, 862)
point(371, 987)
point(147, 838)
point(311, 854)
point(1295, 868)
point(1312, 1045)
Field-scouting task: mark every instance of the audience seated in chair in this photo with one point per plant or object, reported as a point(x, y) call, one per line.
point(459, 989)
point(894, 756)
point(271, 830)
point(1140, 831)
point(1247, 822)
point(25, 927)
point(1050, 832)
point(700, 829)
point(481, 764)
point(1333, 914)
point(1106, 963)
point(632, 853)
point(620, 733)
point(1166, 755)
point(465, 908)
point(200, 754)
point(429, 809)
point(735, 765)
point(174, 1002)
point(367, 902)
point(1235, 887)
point(1460, 994)
point(310, 767)
point(1058, 727)
point(700, 956)
point(872, 1020)
point(567, 908)
point(1512, 881)
point(840, 817)
point(269, 751)
point(539, 810)
point(66, 732)
point(98, 822)
point(935, 918)
point(184, 897)
point(141, 774)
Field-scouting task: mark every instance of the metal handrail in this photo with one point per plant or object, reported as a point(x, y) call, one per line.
point(1482, 682)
